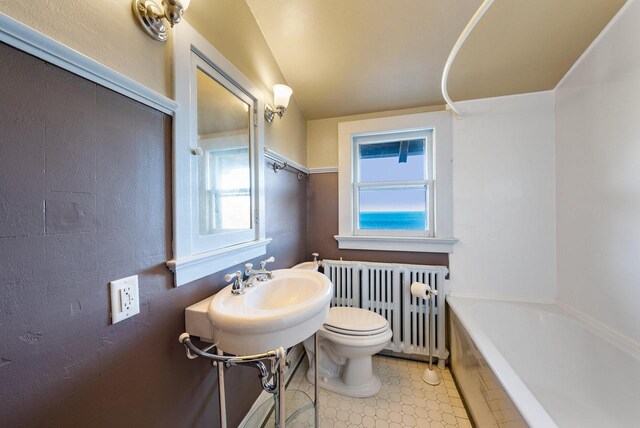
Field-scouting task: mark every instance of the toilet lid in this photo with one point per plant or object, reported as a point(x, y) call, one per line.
point(355, 322)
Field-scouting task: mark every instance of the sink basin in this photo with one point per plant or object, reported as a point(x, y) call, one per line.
point(282, 311)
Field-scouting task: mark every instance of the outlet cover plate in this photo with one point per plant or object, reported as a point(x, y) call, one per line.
point(125, 299)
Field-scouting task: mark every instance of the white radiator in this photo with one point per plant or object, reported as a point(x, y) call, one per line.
point(385, 289)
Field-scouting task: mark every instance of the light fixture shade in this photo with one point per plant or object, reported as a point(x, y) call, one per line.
point(185, 4)
point(281, 95)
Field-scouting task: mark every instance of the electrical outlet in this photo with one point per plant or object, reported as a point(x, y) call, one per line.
point(125, 299)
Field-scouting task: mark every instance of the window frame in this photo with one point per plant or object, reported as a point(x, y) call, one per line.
point(428, 182)
point(441, 238)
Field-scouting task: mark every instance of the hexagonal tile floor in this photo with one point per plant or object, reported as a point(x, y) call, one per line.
point(404, 400)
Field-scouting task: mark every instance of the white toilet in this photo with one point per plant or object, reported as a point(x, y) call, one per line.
point(347, 341)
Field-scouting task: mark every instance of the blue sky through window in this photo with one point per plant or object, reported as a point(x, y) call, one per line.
point(397, 206)
point(385, 167)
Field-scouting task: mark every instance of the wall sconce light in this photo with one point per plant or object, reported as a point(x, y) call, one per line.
point(281, 95)
point(151, 16)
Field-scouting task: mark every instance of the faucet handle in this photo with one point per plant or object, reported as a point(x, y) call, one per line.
point(269, 260)
point(230, 276)
point(315, 257)
point(247, 269)
point(238, 285)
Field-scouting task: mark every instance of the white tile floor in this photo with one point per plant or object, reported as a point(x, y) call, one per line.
point(404, 400)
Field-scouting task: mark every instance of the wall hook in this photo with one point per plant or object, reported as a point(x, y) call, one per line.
point(277, 167)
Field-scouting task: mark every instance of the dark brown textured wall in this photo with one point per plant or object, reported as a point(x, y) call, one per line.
point(322, 220)
point(85, 198)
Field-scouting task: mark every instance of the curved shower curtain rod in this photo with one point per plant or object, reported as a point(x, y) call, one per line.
point(454, 52)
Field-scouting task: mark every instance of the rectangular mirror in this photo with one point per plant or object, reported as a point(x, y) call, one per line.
point(224, 168)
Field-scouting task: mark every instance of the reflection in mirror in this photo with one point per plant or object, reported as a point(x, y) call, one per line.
point(224, 169)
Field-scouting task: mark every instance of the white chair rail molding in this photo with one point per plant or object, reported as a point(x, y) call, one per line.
point(395, 183)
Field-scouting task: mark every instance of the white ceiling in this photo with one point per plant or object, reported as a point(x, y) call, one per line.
point(345, 57)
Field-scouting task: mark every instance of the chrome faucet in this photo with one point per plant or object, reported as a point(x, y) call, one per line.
point(253, 275)
point(247, 280)
point(238, 282)
point(259, 275)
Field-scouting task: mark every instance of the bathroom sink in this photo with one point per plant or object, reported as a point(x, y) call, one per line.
point(282, 311)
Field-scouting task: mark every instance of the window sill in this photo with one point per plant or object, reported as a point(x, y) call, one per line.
point(396, 243)
point(189, 269)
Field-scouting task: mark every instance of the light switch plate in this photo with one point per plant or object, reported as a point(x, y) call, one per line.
point(125, 299)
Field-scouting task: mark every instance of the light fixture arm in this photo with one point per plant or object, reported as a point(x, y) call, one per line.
point(151, 16)
point(173, 11)
point(270, 112)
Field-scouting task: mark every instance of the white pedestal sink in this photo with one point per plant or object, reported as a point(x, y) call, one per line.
point(282, 311)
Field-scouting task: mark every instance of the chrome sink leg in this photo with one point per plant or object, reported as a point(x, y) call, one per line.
point(221, 394)
point(316, 363)
point(277, 416)
point(280, 396)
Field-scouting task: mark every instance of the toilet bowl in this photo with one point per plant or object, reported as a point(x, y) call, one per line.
point(347, 341)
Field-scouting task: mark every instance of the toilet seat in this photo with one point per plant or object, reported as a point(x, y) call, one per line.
point(355, 322)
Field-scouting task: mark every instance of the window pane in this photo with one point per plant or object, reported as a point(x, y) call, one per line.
point(230, 207)
point(393, 208)
point(230, 170)
point(392, 161)
point(228, 203)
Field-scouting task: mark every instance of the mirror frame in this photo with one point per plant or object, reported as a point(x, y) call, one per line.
point(187, 264)
point(223, 237)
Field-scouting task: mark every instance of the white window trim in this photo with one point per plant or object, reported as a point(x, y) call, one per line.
point(443, 240)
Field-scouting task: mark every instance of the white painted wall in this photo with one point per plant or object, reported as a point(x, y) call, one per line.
point(598, 178)
point(503, 196)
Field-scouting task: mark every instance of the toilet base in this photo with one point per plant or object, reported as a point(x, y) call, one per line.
point(335, 384)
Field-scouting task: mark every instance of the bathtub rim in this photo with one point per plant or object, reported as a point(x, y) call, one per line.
point(528, 405)
point(621, 341)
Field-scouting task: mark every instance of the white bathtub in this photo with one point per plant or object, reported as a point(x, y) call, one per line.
point(557, 370)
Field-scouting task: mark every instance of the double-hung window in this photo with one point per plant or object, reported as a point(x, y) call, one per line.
point(395, 183)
